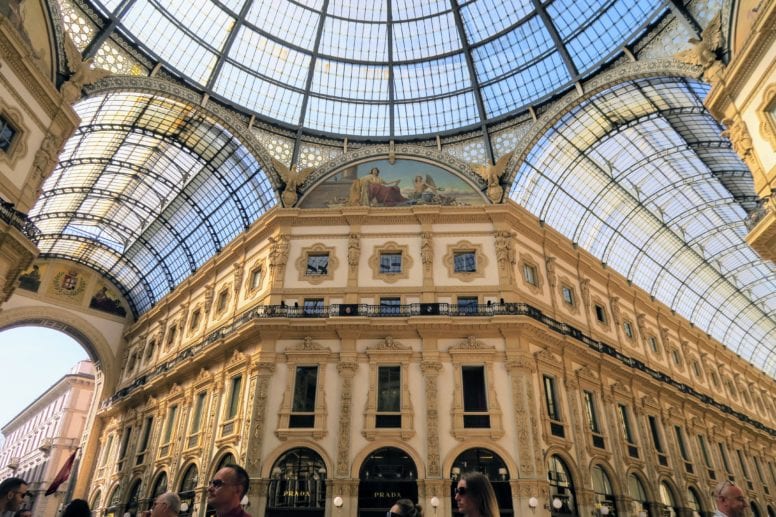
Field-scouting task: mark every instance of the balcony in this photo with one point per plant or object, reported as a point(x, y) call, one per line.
point(761, 224)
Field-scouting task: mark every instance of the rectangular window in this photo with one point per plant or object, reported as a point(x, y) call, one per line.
point(222, 297)
point(600, 313)
point(676, 357)
point(389, 396)
point(195, 319)
point(464, 262)
point(390, 305)
point(551, 399)
point(106, 453)
point(146, 434)
point(704, 452)
point(592, 419)
point(125, 442)
point(303, 405)
point(652, 340)
point(313, 306)
point(468, 304)
point(627, 432)
point(568, 295)
point(759, 470)
point(170, 426)
point(680, 443)
point(628, 329)
point(474, 397)
point(234, 398)
point(318, 264)
point(744, 466)
point(7, 134)
point(655, 432)
point(725, 459)
point(529, 273)
point(196, 420)
point(390, 262)
point(255, 280)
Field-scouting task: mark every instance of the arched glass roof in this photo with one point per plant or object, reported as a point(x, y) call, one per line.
point(640, 177)
point(393, 68)
point(146, 191)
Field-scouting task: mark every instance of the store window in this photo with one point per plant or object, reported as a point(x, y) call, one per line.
point(562, 495)
point(495, 469)
point(297, 485)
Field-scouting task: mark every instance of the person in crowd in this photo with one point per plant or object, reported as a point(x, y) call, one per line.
point(77, 508)
point(729, 499)
point(166, 505)
point(12, 492)
point(226, 490)
point(405, 508)
point(475, 497)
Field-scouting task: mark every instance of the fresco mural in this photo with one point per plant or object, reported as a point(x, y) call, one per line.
point(403, 183)
point(30, 279)
point(104, 300)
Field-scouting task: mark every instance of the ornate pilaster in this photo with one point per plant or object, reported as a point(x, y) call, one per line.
point(346, 369)
point(529, 457)
point(278, 258)
point(505, 257)
point(430, 371)
point(264, 371)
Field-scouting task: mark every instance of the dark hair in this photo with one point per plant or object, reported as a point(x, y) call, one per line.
point(10, 484)
point(77, 508)
point(478, 487)
point(409, 509)
point(241, 477)
point(21, 512)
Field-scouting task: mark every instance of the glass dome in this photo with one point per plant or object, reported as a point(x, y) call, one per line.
point(391, 69)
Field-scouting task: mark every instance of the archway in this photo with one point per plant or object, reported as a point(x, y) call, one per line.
point(297, 485)
point(132, 505)
point(604, 495)
point(562, 495)
point(668, 498)
point(113, 503)
point(694, 501)
point(159, 486)
point(755, 509)
point(95, 502)
point(638, 495)
point(386, 475)
point(489, 463)
point(187, 490)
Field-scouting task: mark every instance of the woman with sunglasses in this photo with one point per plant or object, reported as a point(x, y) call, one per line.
point(475, 497)
point(405, 508)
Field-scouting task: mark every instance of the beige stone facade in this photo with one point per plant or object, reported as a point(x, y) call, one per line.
point(41, 438)
point(611, 354)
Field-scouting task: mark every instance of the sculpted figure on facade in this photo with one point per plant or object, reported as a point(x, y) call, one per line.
point(426, 250)
point(82, 72)
point(278, 253)
point(505, 250)
point(354, 251)
point(705, 51)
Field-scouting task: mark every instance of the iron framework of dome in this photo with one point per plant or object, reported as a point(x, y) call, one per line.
point(389, 69)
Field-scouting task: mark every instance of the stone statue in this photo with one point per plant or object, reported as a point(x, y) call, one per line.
point(705, 51)
point(81, 72)
point(293, 177)
point(492, 174)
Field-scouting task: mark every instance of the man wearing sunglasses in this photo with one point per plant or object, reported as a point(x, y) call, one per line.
point(730, 500)
point(12, 492)
point(226, 490)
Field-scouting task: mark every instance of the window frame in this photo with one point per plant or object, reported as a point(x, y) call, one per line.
point(389, 353)
point(391, 248)
point(317, 250)
point(307, 353)
point(464, 246)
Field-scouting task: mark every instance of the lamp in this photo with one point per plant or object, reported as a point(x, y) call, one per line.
point(244, 500)
point(338, 502)
point(604, 510)
point(533, 502)
point(502, 472)
point(435, 503)
point(456, 471)
point(184, 507)
point(556, 503)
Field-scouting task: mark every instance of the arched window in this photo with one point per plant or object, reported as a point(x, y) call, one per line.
point(227, 459)
point(562, 495)
point(669, 500)
point(186, 491)
point(604, 495)
point(113, 503)
point(131, 506)
point(490, 464)
point(771, 511)
point(694, 501)
point(755, 509)
point(160, 485)
point(386, 475)
point(638, 494)
point(297, 484)
point(95, 504)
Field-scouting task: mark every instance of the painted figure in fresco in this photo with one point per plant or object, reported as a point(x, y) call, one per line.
point(372, 189)
point(424, 188)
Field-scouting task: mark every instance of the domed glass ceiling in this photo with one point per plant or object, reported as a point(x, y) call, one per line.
point(392, 68)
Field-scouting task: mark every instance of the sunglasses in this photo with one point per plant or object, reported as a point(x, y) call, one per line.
point(460, 490)
point(217, 483)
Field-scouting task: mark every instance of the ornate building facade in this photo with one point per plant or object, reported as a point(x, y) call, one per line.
point(362, 284)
